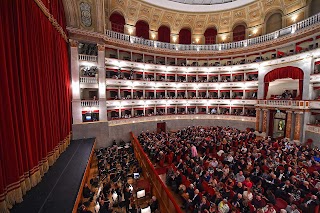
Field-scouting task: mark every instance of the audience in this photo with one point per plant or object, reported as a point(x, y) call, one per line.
point(232, 169)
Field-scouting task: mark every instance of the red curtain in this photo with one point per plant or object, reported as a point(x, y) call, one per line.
point(210, 35)
point(164, 34)
point(284, 72)
point(317, 63)
point(239, 33)
point(185, 36)
point(117, 22)
point(142, 29)
point(35, 95)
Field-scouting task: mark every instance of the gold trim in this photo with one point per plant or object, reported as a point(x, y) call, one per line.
point(13, 192)
point(51, 19)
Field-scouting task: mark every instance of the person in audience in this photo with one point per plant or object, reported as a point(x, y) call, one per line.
point(223, 206)
point(292, 209)
point(237, 160)
point(309, 204)
point(154, 205)
point(86, 192)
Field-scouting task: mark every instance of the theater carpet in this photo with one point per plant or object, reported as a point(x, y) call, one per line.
point(58, 189)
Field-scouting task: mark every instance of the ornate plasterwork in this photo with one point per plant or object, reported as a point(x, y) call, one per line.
point(85, 10)
point(252, 15)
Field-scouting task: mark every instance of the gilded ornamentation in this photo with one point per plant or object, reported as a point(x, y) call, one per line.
point(120, 2)
point(200, 24)
point(132, 11)
point(288, 124)
point(85, 10)
point(238, 14)
point(101, 47)
point(155, 18)
point(269, 2)
point(264, 122)
point(73, 43)
point(145, 11)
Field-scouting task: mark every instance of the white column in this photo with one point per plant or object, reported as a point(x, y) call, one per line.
point(75, 77)
point(103, 116)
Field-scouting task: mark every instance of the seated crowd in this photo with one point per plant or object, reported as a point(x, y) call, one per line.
point(236, 172)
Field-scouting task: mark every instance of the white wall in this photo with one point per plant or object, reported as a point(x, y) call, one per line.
point(277, 87)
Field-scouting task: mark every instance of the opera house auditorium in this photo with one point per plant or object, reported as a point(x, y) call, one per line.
point(160, 106)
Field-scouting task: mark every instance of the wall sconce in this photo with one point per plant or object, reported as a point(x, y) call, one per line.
point(197, 40)
point(255, 31)
point(174, 39)
point(294, 18)
point(224, 38)
point(153, 36)
point(130, 31)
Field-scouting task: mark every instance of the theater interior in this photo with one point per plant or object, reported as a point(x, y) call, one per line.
point(139, 106)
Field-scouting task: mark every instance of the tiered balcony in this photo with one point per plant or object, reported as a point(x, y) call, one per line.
point(91, 58)
point(295, 28)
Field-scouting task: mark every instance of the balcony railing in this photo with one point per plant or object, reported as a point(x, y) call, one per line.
point(214, 47)
point(87, 57)
point(284, 103)
point(86, 103)
point(88, 80)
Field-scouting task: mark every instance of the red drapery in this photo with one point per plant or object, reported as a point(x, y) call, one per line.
point(164, 34)
point(117, 22)
point(317, 63)
point(35, 95)
point(142, 29)
point(284, 72)
point(185, 36)
point(239, 33)
point(210, 35)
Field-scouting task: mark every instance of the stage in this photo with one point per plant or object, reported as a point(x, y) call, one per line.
point(58, 190)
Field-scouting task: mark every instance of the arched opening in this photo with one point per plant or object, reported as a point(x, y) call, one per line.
point(117, 22)
point(142, 29)
point(164, 34)
point(239, 33)
point(210, 35)
point(284, 83)
point(185, 36)
point(274, 23)
point(314, 7)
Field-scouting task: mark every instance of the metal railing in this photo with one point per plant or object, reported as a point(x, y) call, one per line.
point(214, 47)
point(86, 103)
point(83, 57)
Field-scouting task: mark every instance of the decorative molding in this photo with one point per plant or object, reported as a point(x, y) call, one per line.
point(314, 129)
point(73, 43)
point(180, 117)
point(51, 19)
point(85, 10)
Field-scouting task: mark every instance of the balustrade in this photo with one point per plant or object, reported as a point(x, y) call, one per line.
point(89, 103)
point(87, 57)
point(233, 45)
point(88, 80)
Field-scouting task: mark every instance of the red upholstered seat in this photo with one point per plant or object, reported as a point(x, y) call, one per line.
point(280, 204)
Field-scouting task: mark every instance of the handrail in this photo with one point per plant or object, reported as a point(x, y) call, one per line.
point(315, 19)
point(84, 179)
point(165, 204)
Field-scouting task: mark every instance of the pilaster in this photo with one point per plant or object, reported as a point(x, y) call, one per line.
point(257, 118)
point(298, 127)
point(264, 120)
point(102, 83)
point(75, 79)
point(288, 125)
